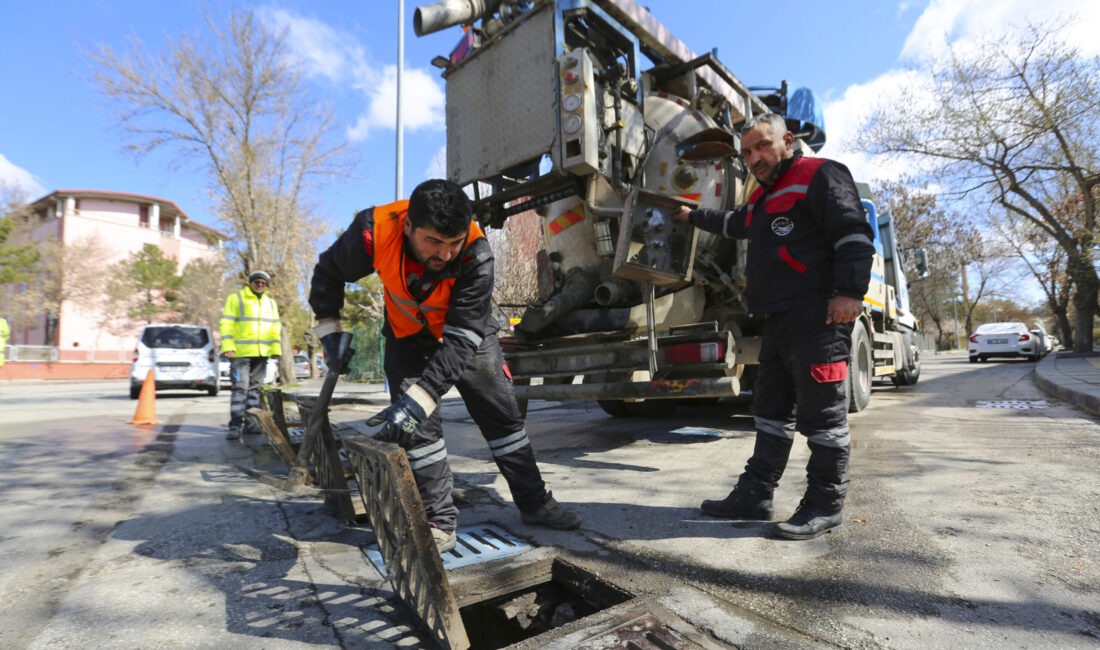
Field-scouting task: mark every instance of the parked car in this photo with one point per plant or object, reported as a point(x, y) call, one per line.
point(301, 366)
point(1046, 341)
point(181, 356)
point(1005, 340)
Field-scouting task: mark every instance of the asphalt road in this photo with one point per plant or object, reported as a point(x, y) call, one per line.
point(967, 525)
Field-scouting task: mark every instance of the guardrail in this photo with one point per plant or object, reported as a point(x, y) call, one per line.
point(54, 354)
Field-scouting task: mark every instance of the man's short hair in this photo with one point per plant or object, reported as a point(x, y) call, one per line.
point(442, 206)
point(778, 123)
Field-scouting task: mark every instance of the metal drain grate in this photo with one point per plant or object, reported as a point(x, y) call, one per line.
point(1012, 404)
point(476, 544)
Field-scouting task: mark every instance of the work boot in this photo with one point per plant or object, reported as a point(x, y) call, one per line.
point(552, 515)
point(445, 540)
point(234, 433)
point(809, 521)
point(742, 503)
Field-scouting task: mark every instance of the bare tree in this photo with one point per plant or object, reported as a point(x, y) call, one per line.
point(515, 250)
point(1016, 123)
point(954, 245)
point(1049, 267)
point(201, 292)
point(236, 106)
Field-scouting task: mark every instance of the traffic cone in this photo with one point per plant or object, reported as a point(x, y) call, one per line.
point(146, 412)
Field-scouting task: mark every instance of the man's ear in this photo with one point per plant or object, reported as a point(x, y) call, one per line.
point(788, 139)
point(408, 228)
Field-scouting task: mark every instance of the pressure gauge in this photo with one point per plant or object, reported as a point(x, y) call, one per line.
point(571, 102)
point(572, 124)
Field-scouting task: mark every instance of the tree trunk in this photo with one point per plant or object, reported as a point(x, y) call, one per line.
point(1065, 330)
point(1086, 283)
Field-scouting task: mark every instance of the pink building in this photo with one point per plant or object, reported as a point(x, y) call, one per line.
point(123, 224)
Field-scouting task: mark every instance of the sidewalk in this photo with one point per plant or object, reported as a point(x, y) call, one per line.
point(1073, 377)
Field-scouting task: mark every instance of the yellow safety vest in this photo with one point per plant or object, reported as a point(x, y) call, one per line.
point(250, 325)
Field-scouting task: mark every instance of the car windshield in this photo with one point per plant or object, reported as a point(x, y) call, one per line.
point(1001, 328)
point(175, 337)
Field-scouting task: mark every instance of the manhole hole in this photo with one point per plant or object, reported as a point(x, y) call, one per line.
point(476, 544)
point(1012, 404)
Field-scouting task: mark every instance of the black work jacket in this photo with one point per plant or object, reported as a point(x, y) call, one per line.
point(469, 313)
point(808, 236)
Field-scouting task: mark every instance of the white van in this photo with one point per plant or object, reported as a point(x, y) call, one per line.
point(180, 355)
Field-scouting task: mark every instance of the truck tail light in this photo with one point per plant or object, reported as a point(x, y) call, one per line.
point(687, 353)
point(973, 338)
point(135, 356)
point(1025, 337)
point(212, 356)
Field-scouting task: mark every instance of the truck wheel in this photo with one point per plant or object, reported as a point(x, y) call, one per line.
point(135, 391)
point(860, 370)
point(908, 376)
point(213, 390)
point(652, 408)
point(616, 408)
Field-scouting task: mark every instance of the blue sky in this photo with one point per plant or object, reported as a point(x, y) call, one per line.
point(57, 133)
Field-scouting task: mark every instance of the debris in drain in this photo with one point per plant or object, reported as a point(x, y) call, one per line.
point(567, 593)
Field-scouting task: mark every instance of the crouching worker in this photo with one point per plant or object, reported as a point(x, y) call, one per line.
point(436, 269)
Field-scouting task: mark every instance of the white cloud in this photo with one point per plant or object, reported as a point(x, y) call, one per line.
point(845, 116)
point(421, 108)
point(325, 51)
point(339, 58)
point(943, 24)
point(15, 176)
point(960, 23)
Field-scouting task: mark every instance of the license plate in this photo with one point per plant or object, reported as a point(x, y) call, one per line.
point(997, 341)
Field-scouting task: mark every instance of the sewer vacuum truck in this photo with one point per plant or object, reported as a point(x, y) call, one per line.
point(594, 116)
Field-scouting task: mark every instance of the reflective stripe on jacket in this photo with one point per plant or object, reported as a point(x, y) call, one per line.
point(405, 315)
point(250, 325)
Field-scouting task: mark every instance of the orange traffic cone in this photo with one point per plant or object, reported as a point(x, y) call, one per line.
point(146, 412)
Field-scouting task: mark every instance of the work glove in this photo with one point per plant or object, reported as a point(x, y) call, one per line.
point(329, 332)
point(400, 420)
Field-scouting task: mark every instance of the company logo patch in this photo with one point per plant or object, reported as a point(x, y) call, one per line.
point(782, 226)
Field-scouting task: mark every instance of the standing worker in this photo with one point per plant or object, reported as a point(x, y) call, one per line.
point(436, 269)
point(251, 333)
point(809, 264)
point(5, 332)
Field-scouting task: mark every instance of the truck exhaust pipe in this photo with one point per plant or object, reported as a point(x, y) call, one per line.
point(616, 292)
point(447, 13)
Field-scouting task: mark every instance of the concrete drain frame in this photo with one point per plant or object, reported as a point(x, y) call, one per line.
point(523, 599)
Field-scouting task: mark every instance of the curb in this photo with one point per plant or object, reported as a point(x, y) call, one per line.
point(1079, 393)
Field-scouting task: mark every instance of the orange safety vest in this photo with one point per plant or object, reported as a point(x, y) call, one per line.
point(406, 316)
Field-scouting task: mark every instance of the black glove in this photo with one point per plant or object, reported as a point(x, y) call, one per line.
point(399, 421)
point(331, 343)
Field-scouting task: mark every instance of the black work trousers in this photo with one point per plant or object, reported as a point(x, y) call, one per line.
point(486, 389)
point(247, 375)
point(802, 386)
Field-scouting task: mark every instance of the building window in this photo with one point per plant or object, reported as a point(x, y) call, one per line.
point(143, 216)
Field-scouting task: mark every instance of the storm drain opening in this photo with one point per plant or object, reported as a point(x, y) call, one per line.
point(524, 604)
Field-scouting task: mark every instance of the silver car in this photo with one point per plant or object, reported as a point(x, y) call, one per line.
point(1005, 340)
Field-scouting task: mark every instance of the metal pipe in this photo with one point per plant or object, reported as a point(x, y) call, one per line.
point(616, 292)
point(660, 389)
point(447, 13)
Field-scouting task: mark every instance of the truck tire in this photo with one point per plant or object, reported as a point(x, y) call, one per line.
point(861, 369)
point(617, 408)
point(212, 391)
point(909, 375)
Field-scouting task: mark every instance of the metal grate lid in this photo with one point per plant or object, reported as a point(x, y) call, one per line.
point(476, 544)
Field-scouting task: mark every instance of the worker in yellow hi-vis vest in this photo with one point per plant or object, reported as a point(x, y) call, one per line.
point(251, 334)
